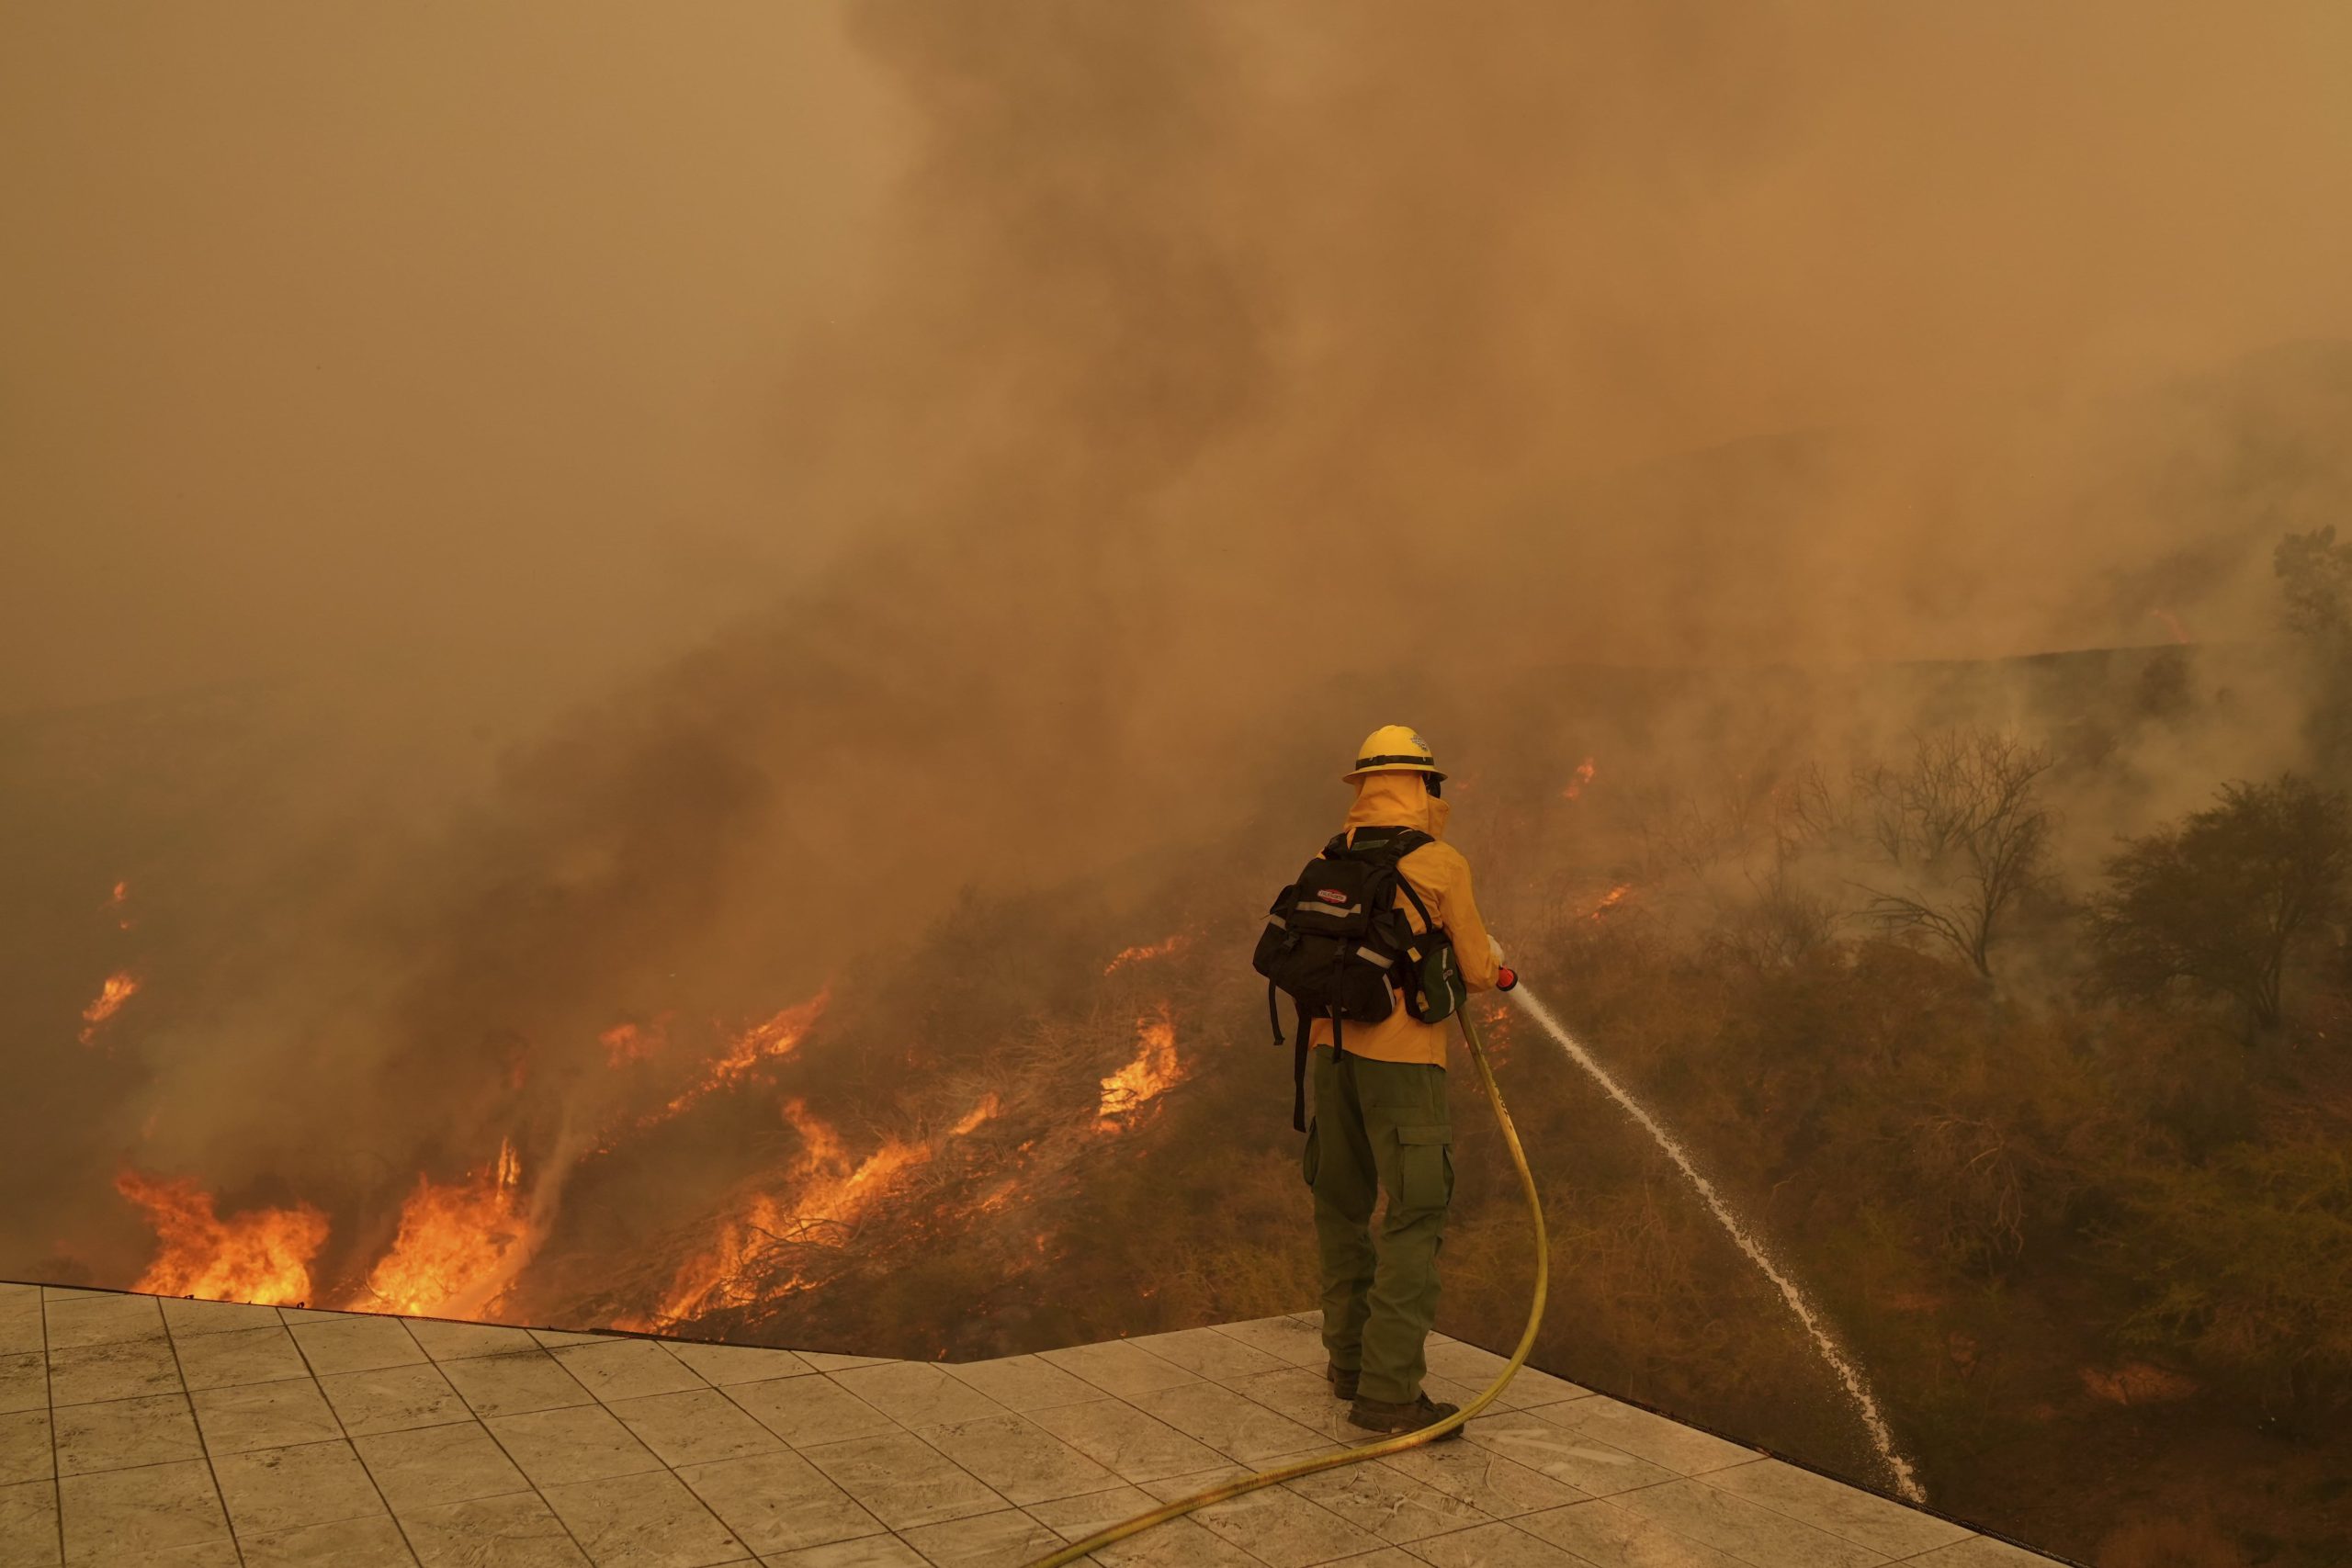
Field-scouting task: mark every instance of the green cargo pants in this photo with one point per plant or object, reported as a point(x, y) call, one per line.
point(1379, 1127)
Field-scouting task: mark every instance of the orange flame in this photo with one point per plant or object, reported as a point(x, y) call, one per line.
point(459, 1245)
point(1611, 898)
point(115, 902)
point(822, 1210)
point(778, 1037)
point(2172, 625)
point(625, 1042)
point(1142, 955)
point(1584, 773)
point(1154, 1071)
point(262, 1256)
point(118, 989)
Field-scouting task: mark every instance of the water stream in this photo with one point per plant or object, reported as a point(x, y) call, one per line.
point(1905, 1479)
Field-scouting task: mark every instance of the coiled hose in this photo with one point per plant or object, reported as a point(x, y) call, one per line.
point(1243, 1485)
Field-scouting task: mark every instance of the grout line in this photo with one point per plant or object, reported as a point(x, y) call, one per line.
point(48, 1397)
point(336, 1417)
point(204, 1445)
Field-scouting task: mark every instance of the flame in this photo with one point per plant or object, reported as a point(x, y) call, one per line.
point(1154, 1071)
point(1584, 773)
point(262, 1256)
point(115, 903)
point(118, 989)
point(1611, 898)
point(2179, 633)
point(625, 1042)
point(1142, 955)
point(779, 1036)
point(459, 1245)
point(822, 1210)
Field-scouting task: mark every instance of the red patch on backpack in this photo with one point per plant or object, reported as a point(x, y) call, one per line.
point(1332, 896)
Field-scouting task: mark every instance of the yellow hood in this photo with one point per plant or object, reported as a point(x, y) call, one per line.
point(1396, 800)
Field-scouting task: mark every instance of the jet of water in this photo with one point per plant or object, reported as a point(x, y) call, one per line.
point(1905, 1480)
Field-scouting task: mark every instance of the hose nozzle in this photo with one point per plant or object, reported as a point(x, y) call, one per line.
point(1505, 978)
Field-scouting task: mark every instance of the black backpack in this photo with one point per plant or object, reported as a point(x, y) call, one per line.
point(1336, 941)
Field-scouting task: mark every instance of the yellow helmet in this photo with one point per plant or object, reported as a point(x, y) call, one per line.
point(1394, 749)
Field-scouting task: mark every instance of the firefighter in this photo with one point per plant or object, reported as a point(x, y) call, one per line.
point(1381, 1122)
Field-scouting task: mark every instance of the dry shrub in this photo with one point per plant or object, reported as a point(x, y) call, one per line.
point(2171, 1540)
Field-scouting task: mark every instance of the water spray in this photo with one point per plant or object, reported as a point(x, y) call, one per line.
point(1905, 1479)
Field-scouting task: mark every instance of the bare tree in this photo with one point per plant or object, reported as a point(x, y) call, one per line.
point(1962, 827)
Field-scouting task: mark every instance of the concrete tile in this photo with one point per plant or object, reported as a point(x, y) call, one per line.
point(122, 1369)
point(806, 1411)
point(825, 1361)
point(916, 1393)
point(1008, 1538)
point(427, 1466)
point(1980, 1551)
point(1284, 1338)
point(625, 1369)
point(393, 1399)
point(1684, 1449)
point(238, 1356)
point(1380, 1501)
point(1024, 1382)
point(25, 1451)
point(1302, 1396)
point(1118, 1368)
point(253, 1416)
point(1236, 1427)
point(1077, 1517)
point(512, 1385)
point(134, 1515)
point(122, 1433)
point(1755, 1535)
point(1471, 1368)
point(721, 1364)
point(778, 1502)
point(460, 1341)
point(346, 1544)
point(185, 1319)
point(1494, 1546)
point(1494, 1485)
point(549, 1338)
point(1273, 1524)
point(28, 1525)
point(649, 1520)
point(1179, 1543)
point(581, 1442)
point(21, 1322)
point(24, 1381)
point(1205, 1353)
point(1607, 1536)
point(902, 1481)
point(518, 1530)
point(1386, 1557)
point(1592, 1467)
point(1861, 1516)
point(311, 1484)
point(874, 1552)
point(698, 1426)
point(67, 1292)
point(1019, 1460)
point(101, 1320)
point(1138, 1446)
point(356, 1345)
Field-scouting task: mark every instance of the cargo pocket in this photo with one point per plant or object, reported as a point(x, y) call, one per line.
point(1314, 1142)
point(1424, 1167)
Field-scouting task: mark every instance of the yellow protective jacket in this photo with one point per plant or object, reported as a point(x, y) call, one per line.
point(1441, 877)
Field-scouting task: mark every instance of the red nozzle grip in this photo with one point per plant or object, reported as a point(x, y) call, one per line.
point(1505, 978)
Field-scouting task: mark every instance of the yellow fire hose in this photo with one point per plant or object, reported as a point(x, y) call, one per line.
point(1248, 1483)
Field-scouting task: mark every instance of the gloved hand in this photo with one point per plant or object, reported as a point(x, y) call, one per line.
point(1504, 978)
point(1495, 947)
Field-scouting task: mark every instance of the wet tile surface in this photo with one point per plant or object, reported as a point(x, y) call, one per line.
point(191, 1433)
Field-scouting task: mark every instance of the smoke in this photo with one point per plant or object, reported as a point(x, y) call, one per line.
point(1161, 397)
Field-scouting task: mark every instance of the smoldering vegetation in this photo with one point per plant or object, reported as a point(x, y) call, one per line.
point(1819, 477)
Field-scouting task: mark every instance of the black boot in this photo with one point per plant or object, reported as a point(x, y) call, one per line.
point(1343, 1383)
point(1379, 1416)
